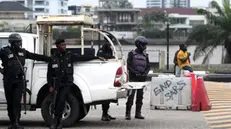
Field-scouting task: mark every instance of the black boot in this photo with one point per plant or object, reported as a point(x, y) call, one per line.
point(54, 123)
point(60, 123)
point(112, 118)
point(10, 126)
point(128, 113)
point(138, 112)
point(105, 117)
point(11, 123)
point(16, 124)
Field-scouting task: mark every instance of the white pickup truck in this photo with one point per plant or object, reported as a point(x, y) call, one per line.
point(95, 82)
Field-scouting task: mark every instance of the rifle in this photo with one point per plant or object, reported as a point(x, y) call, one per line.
point(53, 100)
point(25, 90)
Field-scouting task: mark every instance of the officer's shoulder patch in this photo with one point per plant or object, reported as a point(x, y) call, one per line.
point(55, 66)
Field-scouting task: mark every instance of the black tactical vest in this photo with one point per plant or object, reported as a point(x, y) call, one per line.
point(62, 68)
point(12, 64)
point(139, 61)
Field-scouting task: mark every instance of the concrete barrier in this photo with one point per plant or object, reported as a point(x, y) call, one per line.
point(170, 92)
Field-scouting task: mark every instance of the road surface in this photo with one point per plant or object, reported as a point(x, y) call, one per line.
point(155, 119)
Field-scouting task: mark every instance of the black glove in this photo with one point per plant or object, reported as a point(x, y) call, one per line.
point(138, 74)
point(141, 75)
point(1, 71)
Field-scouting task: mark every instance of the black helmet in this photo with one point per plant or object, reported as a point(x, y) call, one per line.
point(141, 42)
point(15, 37)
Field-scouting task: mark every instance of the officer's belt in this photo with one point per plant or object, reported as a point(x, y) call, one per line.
point(15, 76)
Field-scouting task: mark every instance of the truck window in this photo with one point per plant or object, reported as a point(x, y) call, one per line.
point(4, 42)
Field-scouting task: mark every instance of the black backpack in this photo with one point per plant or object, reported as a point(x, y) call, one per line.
point(175, 58)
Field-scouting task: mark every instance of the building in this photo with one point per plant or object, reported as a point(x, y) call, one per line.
point(181, 20)
point(121, 22)
point(118, 19)
point(83, 9)
point(168, 3)
point(181, 25)
point(13, 16)
point(51, 7)
point(154, 3)
point(45, 7)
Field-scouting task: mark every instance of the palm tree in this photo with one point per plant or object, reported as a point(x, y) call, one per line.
point(124, 4)
point(216, 32)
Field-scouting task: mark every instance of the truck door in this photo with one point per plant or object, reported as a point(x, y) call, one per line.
point(3, 42)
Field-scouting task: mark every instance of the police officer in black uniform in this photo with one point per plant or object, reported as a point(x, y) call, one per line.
point(61, 68)
point(138, 67)
point(13, 60)
point(106, 52)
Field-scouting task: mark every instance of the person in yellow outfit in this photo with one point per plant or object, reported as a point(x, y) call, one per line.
point(183, 59)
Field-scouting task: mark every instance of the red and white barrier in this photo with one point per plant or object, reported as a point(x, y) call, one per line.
point(200, 99)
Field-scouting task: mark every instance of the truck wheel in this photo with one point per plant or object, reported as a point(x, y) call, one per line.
point(70, 113)
point(83, 113)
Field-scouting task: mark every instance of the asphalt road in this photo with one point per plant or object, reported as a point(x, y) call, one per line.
point(155, 119)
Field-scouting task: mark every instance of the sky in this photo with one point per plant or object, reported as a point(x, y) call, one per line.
point(140, 3)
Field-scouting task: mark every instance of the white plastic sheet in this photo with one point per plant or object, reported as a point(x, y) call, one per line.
point(137, 85)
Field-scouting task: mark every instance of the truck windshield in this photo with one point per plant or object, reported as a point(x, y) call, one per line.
point(3, 42)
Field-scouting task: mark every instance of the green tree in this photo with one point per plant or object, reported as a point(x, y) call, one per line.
point(3, 26)
point(116, 4)
point(124, 4)
point(154, 16)
point(153, 23)
point(216, 32)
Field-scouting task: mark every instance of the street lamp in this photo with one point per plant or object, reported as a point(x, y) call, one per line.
point(167, 37)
